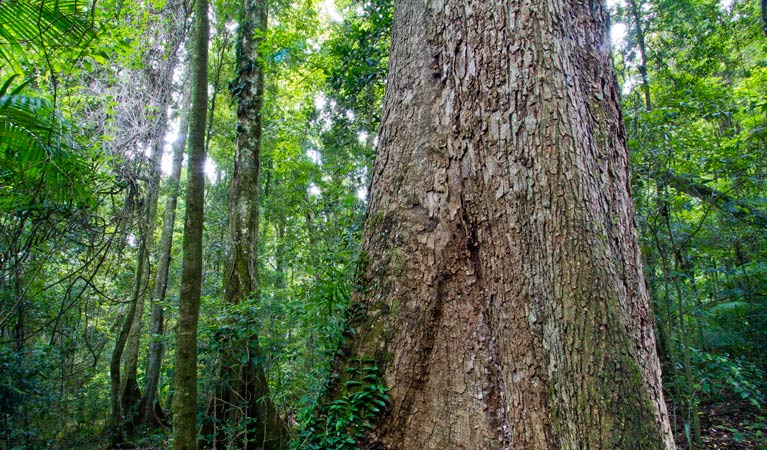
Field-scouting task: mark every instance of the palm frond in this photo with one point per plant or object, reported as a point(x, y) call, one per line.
point(35, 24)
point(38, 156)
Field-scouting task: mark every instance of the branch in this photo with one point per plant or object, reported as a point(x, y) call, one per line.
point(739, 209)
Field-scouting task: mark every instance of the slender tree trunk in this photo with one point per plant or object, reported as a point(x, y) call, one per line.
point(169, 35)
point(150, 410)
point(117, 385)
point(503, 298)
point(163, 39)
point(129, 388)
point(640, 35)
point(21, 311)
point(116, 424)
point(280, 258)
point(220, 59)
point(764, 17)
point(241, 399)
point(185, 376)
point(684, 393)
point(127, 346)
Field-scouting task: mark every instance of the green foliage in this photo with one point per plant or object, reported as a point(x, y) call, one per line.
point(19, 381)
point(40, 166)
point(721, 377)
point(42, 25)
point(67, 212)
point(55, 240)
point(344, 423)
point(41, 407)
point(699, 185)
point(358, 58)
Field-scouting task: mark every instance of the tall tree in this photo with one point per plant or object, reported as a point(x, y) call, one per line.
point(502, 295)
point(160, 60)
point(124, 387)
point(150, 412)
point(241, 400)
point(185, 375)
point(130, 331)
point(164, 35)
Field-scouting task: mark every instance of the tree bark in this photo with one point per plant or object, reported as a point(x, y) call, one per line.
point(241, 399)
point(129, 388)
point(163, 41)
point(117, 384)
point(764, 17)
point(149, 405)
point(185, 376)
point(503, 298)
point(640, 35)
point(159, 69)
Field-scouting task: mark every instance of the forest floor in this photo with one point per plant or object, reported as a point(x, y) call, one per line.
point(729, 425)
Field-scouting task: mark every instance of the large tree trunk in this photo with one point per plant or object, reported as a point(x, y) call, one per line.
point(503, 298)
point(241, 400)
point(185, 376)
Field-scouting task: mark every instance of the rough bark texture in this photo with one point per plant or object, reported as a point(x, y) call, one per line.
point(241, 401)
point(185, 376)
point(503, 296)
